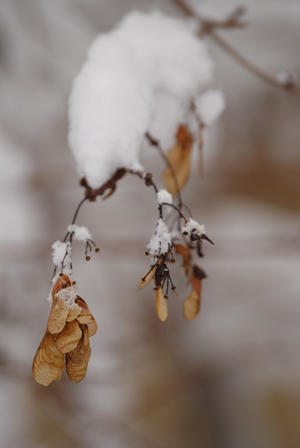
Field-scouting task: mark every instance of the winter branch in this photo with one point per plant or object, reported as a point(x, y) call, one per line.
point(284, 80)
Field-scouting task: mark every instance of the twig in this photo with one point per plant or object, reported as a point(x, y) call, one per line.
point(178, 211)
point(208, 27)
point(155, 143)
point(257, 71)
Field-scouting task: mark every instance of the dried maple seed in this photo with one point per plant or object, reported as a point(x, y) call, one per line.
point(147, 278)
point(59, 311)
point(48, 363)
point(69, 337)
point(78, 359)
point(179, 157)
point(191, 305)
point(161, 304)
point(86, 317)
point(73, 313)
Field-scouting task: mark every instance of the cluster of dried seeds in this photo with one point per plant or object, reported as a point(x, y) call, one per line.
point(159, 273)
point(66, 340)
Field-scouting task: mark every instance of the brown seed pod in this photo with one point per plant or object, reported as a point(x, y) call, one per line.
point(58, 316)
point(73, 313)
point(59, 312)
point(150, 276)
point(86, 316)
point(179, 157)
point(69, 337)
point(161, 304)
point(191, 305)
point(78, 359)
point(48, 363)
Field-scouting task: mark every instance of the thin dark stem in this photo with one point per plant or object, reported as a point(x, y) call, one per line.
point(178, 211)
point(156, 144)
point(148, 178)
point(150, 270)
point(160, 212)
point(71, 235)
point(78, 208)
point(257, 71)
point(184, 7)
point(209, 29)
point(75, 217)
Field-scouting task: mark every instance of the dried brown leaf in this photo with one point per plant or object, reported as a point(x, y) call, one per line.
point(161, 304)
point(86, 316)
point(78, 359)
point(48, 363)
point(179, 157)
point(150, 276)
point(69, 337)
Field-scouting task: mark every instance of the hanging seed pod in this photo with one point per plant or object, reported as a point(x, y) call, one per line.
point(48, 363)
point(59, 311)
point(161, 304)
point(78, 359)
point(179, 157)
point(86, 316)
point(69, 337)
point(191, 305)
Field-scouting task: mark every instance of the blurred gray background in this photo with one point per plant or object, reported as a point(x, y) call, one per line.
point(229, 379)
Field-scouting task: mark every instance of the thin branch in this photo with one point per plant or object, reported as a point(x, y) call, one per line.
point(208, 27)
point(248, 65)
point(178, 211)
point(78, 208)
point(155, 143)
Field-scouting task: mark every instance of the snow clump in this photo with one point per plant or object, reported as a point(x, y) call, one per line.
point(80, 233)
point(161, 241)
point(163, 196)
point(193, 226)
point(210, 105)
point(61, 253)
point(114, 97)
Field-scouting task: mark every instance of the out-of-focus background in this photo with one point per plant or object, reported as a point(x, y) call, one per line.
point(229, 379)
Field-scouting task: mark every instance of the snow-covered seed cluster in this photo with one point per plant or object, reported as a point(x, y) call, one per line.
point(192, 227)
point(81, 233)
point(161, 241)
point(62, 250)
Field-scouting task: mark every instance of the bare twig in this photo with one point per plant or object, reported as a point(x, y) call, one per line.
point(257, 71)
point(208, 28)
point(156, 144)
